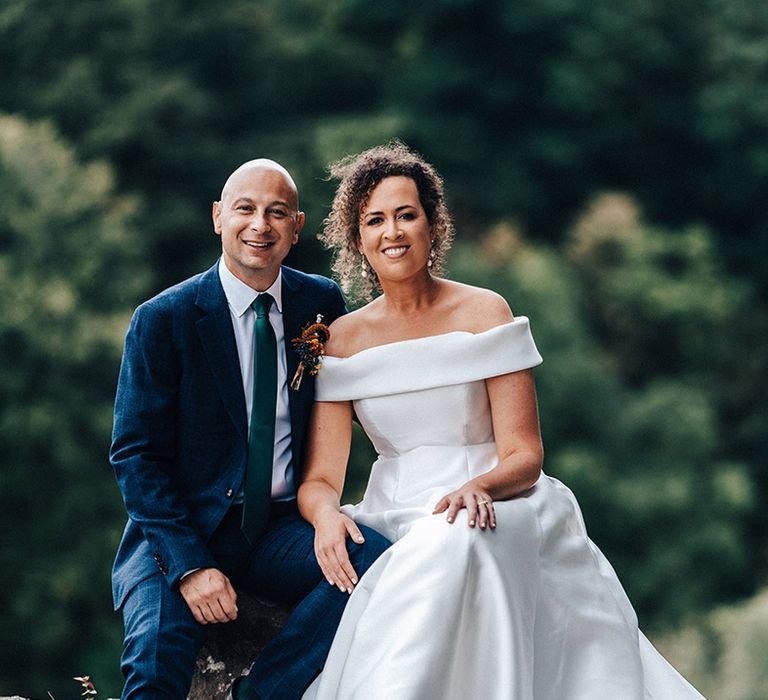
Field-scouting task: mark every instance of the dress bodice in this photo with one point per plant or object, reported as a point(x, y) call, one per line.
point(428, 391)
point(453, 415)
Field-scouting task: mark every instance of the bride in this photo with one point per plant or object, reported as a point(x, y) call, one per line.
point(492, 588)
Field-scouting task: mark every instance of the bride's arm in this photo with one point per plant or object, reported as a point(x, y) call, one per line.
point(518, 442)
point(319, 495)
point(515, 426)
point(516, 430)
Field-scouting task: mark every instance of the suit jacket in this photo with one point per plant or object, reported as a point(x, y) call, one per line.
point(180, 439)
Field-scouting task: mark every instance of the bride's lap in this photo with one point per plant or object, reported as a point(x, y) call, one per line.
point(517, 533)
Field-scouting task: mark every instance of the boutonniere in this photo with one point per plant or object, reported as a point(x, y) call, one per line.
point(310, 346)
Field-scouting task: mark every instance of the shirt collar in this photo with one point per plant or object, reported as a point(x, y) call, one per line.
point(240, 296)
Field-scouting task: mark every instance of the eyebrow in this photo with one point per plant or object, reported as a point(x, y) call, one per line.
point(400, 208)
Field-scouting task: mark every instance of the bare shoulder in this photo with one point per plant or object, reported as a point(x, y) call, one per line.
point(479, 309)
point(348, 332)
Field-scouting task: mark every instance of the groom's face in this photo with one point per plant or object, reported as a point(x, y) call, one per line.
point(259, 222)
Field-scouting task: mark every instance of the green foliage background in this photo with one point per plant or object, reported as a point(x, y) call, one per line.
point(606, 164)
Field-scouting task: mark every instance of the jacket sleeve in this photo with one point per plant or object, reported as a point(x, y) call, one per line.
point(143, 452)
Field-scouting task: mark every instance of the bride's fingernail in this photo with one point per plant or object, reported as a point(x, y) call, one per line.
point(354, 580)
point(349, 590)
point(471, 523)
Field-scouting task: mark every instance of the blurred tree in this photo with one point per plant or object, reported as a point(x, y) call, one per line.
point(70, 267)
point(530, 107)
point(664, 308)
point(732, 110)
point(659, 298)
point(177, 94)
point(723, 653)
point(667, 101)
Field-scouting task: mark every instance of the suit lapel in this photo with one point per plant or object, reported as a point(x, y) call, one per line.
point(218, 340)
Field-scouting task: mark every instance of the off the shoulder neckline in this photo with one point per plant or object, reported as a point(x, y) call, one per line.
point(388, 346)
point(413, 364)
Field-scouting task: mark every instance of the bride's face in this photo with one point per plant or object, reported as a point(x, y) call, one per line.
point(395, 234)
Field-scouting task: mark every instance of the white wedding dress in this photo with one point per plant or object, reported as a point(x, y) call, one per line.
point(530, 611)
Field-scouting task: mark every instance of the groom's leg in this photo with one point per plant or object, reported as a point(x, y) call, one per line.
point(162, 638)
point(161, 642)
point(284, 567)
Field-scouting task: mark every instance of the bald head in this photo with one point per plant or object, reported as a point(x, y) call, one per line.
point(259, 221)
point(266, 167)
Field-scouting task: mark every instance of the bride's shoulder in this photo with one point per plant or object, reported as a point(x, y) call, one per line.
point(478, 309)
point(347, 331)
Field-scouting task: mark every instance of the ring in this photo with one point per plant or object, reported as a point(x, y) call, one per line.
point(482, 503)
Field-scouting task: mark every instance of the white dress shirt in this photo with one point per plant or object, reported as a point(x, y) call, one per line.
point(240, 297)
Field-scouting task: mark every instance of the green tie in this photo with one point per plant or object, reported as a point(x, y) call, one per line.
point(261, 439)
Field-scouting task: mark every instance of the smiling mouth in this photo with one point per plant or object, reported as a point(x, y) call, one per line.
point(395, 252)
point(259, 245)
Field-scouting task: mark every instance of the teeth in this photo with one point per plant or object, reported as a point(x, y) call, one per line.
point(257, 245)
point(395, 251)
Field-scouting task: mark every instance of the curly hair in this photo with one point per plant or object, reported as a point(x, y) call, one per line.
point(358, 175)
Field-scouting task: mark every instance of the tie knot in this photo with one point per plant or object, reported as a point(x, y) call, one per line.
point(262, 304)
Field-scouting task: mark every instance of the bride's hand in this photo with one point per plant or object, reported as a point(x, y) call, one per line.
point(478, 503)
point(331, 532)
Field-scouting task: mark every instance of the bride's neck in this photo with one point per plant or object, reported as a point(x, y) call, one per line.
point(406, 297)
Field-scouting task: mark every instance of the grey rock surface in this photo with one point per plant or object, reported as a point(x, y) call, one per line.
point(230, 649)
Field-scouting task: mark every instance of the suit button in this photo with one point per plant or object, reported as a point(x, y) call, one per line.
point(229, 493)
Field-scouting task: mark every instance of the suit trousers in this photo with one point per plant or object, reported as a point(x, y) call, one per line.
point(162, 639)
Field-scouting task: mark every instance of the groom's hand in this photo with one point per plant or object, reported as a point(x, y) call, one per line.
point(210, 596)
point(331, 532)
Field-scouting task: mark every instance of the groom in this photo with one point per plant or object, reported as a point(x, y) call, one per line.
point(207, 452)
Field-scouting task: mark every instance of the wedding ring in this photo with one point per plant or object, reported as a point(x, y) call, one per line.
point(482, 503)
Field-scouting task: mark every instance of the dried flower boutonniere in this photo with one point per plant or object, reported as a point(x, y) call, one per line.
point(311, 347)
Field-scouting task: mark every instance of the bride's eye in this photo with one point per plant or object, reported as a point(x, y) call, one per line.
point(374, 221)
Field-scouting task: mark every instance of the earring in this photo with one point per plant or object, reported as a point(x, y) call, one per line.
point(431, 258)
point(363, 267)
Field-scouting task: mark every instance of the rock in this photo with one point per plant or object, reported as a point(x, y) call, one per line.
point(230, 649)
